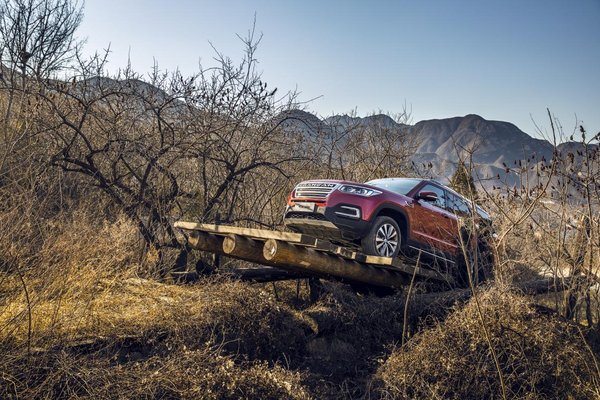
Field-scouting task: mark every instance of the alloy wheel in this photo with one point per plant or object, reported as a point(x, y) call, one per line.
point(386, 240)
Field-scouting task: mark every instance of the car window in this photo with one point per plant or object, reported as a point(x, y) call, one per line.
point(396, 185)
point(457, 205)
point(482, 213)
point(441, 195)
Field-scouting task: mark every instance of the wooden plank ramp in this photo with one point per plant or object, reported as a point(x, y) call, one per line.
point(249, 232)
point(305, 254)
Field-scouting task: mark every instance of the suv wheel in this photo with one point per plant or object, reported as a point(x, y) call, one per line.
point(480, 267)
point(486, 256)
point(466, 267)
point(384, 239)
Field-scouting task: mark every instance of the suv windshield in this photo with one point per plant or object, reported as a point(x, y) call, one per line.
point(396, 185)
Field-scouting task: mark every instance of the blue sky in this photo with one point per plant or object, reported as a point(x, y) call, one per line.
point(504, 60)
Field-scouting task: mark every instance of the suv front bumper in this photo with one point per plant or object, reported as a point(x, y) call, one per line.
point(341, 222)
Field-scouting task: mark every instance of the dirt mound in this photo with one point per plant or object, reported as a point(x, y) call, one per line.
point(350, 332)
point(540, 356)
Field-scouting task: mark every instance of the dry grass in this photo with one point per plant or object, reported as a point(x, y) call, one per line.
point(179, 373)
point(540, 356)
point(98, 330)
point(95, 325)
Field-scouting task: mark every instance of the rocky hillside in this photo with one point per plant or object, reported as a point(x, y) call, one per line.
point(440, 143)
point(494, 144)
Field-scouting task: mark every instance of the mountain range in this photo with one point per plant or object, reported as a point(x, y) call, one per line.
point(494, 149)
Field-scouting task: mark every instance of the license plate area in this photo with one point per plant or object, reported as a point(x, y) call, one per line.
point(303, 206)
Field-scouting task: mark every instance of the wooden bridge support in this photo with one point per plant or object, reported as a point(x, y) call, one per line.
point(246, 249)
point(289, 256)
point(304, 255)
point(203, 241)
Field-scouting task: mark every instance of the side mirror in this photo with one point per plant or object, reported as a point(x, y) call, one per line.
point(427, 196)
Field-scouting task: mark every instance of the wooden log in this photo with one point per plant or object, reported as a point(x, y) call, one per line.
point(206, 242)
point(407, 268)
point(290, 257)
point(244, 248)
point(309, 241)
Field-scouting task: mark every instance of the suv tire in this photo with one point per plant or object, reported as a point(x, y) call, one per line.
point(480, 271)
point(384, 238)
point(486, 259)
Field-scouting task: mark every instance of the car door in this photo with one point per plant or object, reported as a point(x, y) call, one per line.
point(432, 224)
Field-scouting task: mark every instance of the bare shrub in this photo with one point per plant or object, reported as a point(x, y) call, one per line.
point(36, 36)
point(359, 150)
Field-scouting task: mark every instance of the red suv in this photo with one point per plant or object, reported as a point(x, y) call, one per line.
point(388, 217)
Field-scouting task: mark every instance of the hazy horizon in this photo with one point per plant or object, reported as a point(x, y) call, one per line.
point(505, 61)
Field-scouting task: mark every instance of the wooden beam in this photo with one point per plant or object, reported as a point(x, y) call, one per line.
point(345, 252)
point(264, 234)
point(394, 263)
point(288, 256)
point(407, 268)
point(247, 244)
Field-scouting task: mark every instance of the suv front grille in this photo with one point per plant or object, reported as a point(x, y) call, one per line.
point(314, 190)
point(302, 215)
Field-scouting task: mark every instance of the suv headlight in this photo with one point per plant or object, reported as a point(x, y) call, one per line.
point(359, 190)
